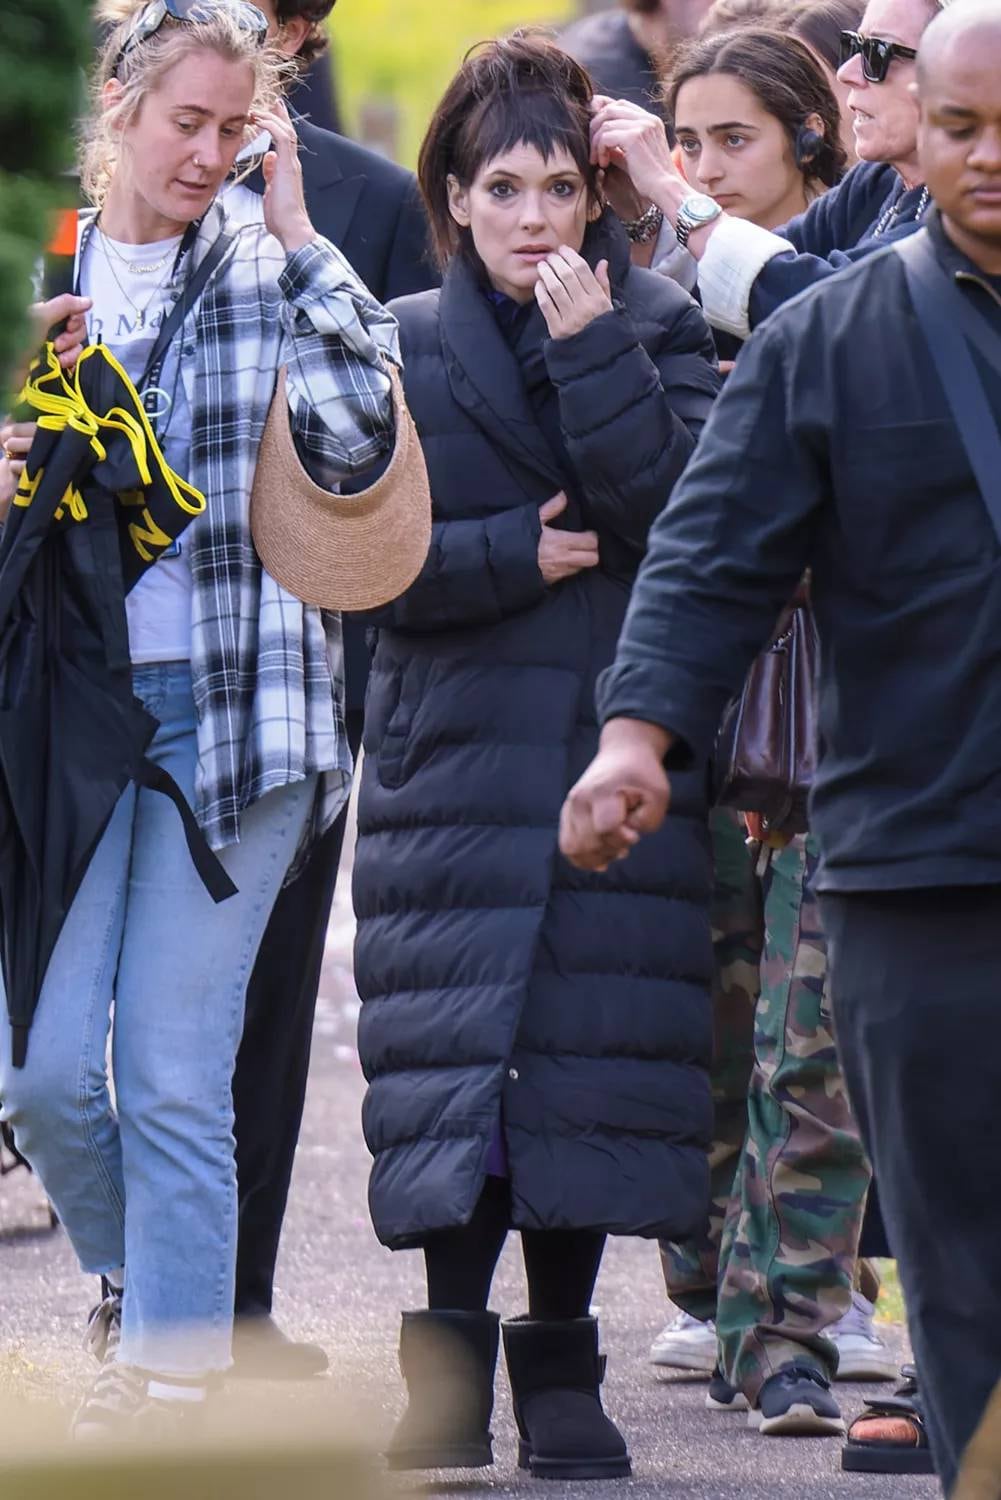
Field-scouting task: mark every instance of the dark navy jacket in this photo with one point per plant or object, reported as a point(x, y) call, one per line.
point(833, 447)
point(836, 230)
point(492, 974)
point(369, 208)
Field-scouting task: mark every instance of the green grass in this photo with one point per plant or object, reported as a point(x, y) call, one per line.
point(24, 1379)
point(407, 52)
point(890, 1307)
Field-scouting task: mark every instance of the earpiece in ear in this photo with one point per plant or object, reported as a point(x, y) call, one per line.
point(808, 146)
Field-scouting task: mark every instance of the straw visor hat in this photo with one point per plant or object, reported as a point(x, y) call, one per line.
point(341, 552)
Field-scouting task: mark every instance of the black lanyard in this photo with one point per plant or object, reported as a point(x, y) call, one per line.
point(148, 384)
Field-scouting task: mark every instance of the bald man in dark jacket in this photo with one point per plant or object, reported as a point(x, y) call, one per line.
point(840, 444)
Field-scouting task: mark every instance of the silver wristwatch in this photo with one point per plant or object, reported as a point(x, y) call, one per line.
point(696, 210)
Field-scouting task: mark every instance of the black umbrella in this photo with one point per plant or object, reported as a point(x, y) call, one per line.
point(95, 506)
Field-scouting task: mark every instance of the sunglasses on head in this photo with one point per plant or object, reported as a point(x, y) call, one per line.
point(149, 21)
point(876, 54)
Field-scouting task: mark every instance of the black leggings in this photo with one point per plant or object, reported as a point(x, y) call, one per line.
point(561, 1265)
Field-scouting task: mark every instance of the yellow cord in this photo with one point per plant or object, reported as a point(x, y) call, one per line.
point(61, 403)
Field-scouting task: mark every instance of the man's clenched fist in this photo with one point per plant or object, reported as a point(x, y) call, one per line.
point(623, 794)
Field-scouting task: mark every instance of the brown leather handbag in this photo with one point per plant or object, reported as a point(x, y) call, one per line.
point(766, 750)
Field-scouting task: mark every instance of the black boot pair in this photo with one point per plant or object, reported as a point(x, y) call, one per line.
point(448, 1360)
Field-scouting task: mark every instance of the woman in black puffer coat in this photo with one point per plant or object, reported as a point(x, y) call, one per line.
point(536, 1040)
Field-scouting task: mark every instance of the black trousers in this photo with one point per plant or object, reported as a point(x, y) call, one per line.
point(561, 1265)
point(916, 987)
point(269, 1086)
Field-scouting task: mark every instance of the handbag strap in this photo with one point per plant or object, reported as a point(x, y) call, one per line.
point(208, 866)
point(935, 297)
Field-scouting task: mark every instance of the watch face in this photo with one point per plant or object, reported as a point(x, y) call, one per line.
point(700, 208)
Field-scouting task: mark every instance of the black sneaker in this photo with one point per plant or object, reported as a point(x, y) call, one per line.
point(722, 1396)
point(796, 1402)
point(117, 1394)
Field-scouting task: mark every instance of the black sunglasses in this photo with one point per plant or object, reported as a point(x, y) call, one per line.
point(876, 54)
point(150, 20)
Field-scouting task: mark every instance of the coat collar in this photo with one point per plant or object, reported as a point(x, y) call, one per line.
point(484, 375)
point(214, 222)
point(959, 266)
point(320, 167)
point(330, 196)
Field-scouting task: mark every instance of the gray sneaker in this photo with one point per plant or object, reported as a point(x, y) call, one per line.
point(862, 1355)
point(117, 1394)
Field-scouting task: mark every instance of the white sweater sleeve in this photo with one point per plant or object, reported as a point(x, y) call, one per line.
point(735, 255)
point(736, 252)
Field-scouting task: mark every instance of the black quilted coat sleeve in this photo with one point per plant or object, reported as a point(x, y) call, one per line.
point(634, 395)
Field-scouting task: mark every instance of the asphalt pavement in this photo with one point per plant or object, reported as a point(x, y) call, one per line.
point(338, 1286)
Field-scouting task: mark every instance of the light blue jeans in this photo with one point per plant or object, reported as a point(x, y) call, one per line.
point(153, 1187)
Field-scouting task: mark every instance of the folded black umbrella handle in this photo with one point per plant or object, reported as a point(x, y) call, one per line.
point(210, 869)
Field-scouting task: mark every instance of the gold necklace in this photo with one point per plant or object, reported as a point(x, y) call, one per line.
point(140, 312)
point(137, 267)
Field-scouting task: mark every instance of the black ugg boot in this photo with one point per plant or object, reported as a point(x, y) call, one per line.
point(556, 1374)
point(448, 1360)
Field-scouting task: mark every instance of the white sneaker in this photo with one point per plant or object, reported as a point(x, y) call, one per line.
point(686, 1344)
point(862, 1355)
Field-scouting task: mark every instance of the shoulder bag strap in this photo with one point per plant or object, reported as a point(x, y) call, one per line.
point(934, 296)
point(60, 277)
point(193, 288)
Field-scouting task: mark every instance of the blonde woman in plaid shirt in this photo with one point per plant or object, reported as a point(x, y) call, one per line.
point(244, 680)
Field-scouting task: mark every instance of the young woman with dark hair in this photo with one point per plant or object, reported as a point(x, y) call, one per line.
point(535, 1042)
point(757, 125)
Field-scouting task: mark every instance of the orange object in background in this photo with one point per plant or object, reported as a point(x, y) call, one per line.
point(63, 240)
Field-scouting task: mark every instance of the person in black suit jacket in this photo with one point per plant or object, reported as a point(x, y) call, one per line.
point(317, 96)
point(370, 209)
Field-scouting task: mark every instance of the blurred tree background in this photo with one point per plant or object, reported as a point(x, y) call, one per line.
point(392, 59)
point(45, 48)
point(402, 53)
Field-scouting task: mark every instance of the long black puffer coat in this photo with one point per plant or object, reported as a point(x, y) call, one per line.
point(497, 981)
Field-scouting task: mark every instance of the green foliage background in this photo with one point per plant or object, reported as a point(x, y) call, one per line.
point(401, 50)
point(407, 50)
point(45, 46)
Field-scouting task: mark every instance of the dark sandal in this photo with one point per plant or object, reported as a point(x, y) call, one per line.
point(897, 1441)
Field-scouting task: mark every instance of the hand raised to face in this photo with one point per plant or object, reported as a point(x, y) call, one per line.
point(285, 214)
point(570, 294)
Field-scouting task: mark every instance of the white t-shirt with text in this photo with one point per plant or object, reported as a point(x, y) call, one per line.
point(128, 285)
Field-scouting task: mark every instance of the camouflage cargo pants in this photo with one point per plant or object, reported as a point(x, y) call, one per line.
point(776, 1261)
